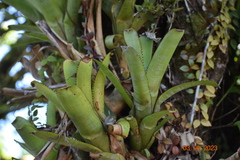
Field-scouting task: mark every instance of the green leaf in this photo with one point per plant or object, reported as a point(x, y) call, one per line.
point(233, 43)
point(170, 92)
point(69, 69)
point(113, 41)
point(140, 20)
point(51, 58)
point(196, 123)
point(52, 13)
point(84, 78)
point(142, 99)
point(98, 89)
point(51, 114)
point(48, 93)
point(148, 125)
point(191, 76)
point(125, 16)
point(134, 136)
point(37, 36)
point(66, 141)
point(83, 116)
point(184, 68)
point(26, 40)
point(125, 127)
point(116, 83)
point(44, 62)
point(147, 50)
point(24, 127)
point(132, 40)
point(161, 59)
point(26, 28)
point(237, 124)
point(156, 130)
point(206, 123)
point(71, 19)
point(26, 8)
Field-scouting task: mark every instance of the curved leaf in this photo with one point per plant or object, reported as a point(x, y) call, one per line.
point(161, 59)
point(37, 36)
point(125, 16)
point(52, 14)
point(32, 143)
point(132, 40)
point(98, 89)
point(116, 83)
point(170, 92)
point(66, 141)
point(142, 99)
point(134, 136)
point(82, 114)
point(69, 69)
point(26, 28)
point(113, 41)
point(48, 93)
point(26, 8)
point(147, 49)
point(156, 130)
point(148, 125)
point(84, 77)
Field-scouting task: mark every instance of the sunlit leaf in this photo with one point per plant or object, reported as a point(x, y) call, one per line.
point(205, 115)
point(211, 89)
point(196, 123)
point(205, 123)
point(210, 54)
point(209, 94)
point(210, 63)
point(204, 107)
point(198, 140)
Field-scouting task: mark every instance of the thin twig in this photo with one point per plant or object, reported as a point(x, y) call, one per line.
point(187, 6)
point(47, 151)
point(227, 113)
point(198, 87)
point(231, 124)
point(220, 101)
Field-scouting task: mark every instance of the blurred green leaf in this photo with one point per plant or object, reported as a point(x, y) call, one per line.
point(53, 137)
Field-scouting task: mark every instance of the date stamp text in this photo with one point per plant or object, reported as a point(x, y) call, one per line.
point(198, 148)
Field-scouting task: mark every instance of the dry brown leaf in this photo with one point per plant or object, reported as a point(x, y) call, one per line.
point(160, 148)
point(138, 155)
point(66, 49)
point(99, 33)
point(235, 156)
point(117, 145)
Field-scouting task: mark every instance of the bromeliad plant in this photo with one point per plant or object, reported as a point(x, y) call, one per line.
point(91, 126)
point(97, 129)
